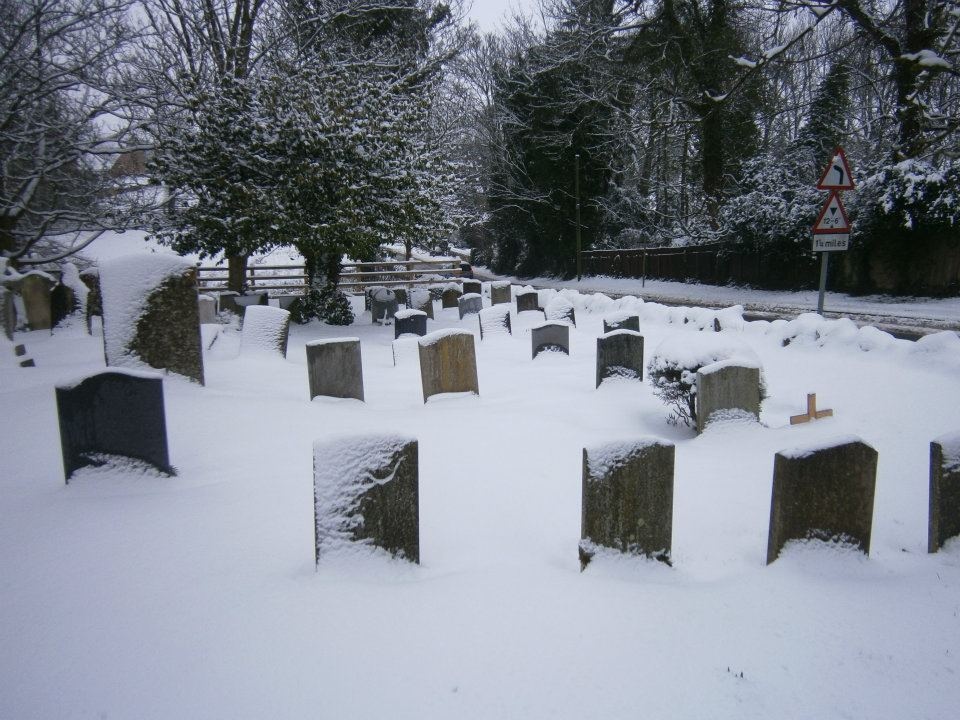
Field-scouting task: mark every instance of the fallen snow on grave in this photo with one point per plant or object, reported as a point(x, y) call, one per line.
point(604, 459)
point(264, 327)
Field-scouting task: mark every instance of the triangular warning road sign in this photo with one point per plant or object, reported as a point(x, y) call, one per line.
point(832, 219)
point(837, 175)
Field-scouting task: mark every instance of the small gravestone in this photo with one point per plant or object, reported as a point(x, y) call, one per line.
point(227, 302)
point(206, 309)
point(450, 297)
point(944, 491)
point(726, 389)
point(8, 313)
point(550, 337)
point(410, 322)
point(472, 287)
point(265, 331)
point(35, 289)
point(499, 292)
point(528, 301)
point(619, 354)
point(495, 320)
point(628, 499)
point(421, 299)
point(448, 363)
point(560, 310)
point(150, 313)
point(334, 368)
point(113, 413)
point(621, 321)
point(91, 278)
point(823, 492)
point(63, 303)
point(470, 304)
point(383, 306)
point(366, 492)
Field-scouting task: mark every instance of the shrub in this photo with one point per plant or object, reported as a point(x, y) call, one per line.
point(327, 304)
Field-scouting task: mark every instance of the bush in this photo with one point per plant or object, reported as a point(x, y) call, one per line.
point(327, 304)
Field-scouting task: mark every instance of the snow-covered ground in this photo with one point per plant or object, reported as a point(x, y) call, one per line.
point(133, 596)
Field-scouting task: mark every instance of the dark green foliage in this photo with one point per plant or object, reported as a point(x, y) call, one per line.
point(326, 303)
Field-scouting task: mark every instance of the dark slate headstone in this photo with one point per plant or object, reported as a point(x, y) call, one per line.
point(560, 310)
point(448, 363)
point(621, 321)
point(727, 387)
point(620, 354)
point(334, 368)
point(469, 304)
point(410, 322)
point(63, 302)
point(529, 300)
point(628, 499)
point(35, 289)
point(823, 492)
point(499, 292)
point(266, 330)
point(944, 491)
point(113, 413)
point(472, 287)
point(550, 336)
point(366, 492)
point(383, 306)
point(495, 320)
point(450, 297)
point(8, 312)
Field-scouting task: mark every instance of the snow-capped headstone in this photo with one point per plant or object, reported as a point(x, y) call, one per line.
point(550, 336)
point(448, 363)
point(628, 499)
point(944, 491)
point(528, 301)
point(499, 292)
point(823, 492)
point(619, 354)
point(470, 287)
point(206, 309)
point(35, 289)
point(560, 310)
point(366, 492)
point(450, 297)
point(469, 304)
point(383, 306)
point(421, 299)
point(150, 315)
point(621, 321)
point(410, 322)
point(265, 330)
point(113, 413)
point(727, 388)
point(334, 368)
point(495, 320)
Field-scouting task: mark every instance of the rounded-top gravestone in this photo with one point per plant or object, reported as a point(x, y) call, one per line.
point(550, 336)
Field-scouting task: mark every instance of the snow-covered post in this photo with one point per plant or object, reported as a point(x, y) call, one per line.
point(727, 387)
point(448, 363)
point(619, 354)
point(944, 491)
point(334, 368)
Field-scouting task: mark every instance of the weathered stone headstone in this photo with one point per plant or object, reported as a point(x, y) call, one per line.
point(410, 322)
point(823, 492)
point(422, 299)
point(621, 321)
point(727, 388)
point(550, 336)
point(560, 310)
point(383, 306)
point(470, 304)
point(35, 289)
point(628, 499)
point(448, 363)
point(499, 292)
point(619, 354)
point(450, 297)
point(528, 301)
point(944, 491)
point(150, 313)
point(366, 492)
point(91, 278)
point(117, 412)
point(471, 287)
point(265, 330)
point(334, 368)
point(8, 312)
point(495, 320)
point(206, 309)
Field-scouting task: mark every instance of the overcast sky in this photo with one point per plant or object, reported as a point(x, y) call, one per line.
point(489, 14)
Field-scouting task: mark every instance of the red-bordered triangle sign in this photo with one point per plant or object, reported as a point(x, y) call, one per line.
point(837, 175)
point(832, 219)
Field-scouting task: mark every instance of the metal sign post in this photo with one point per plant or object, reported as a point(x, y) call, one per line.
point(831, 230)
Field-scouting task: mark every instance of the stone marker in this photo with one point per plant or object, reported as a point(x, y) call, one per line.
point(560, 310)
point(619, 354)
point(495, 320)
point(206, 309)
point(823, 492)
point(421, 299)
point(366, 492)
point(470, 304)
point(8, 312)
point(20, 351)
point(944, 491)
point(448, 363)
point(628, 499)
point(91, 278)
point(63, 303)
point(499, 292)
point(116, 412)
point(265, 330)
point(472, 286)
point(450, 297)
point(401, 295)
point(35, 289)
point(227, 302)
point(728, 387)
point(410, 322)
point(550, 336)
point(383, 306)
point(621, 321)
point(334, 368)
point(527, 301)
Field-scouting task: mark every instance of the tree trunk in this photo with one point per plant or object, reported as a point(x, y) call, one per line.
point(237, 273)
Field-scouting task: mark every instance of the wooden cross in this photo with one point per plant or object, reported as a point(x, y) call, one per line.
point(812, 412)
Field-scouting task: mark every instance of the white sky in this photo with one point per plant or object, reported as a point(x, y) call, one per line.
point(489, 14)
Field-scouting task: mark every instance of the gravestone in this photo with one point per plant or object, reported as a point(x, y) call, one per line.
point(499, 292)
point(366, 492)
point(527, 301)
point(116, 412)
point(206, 309)
point(150, 313)
point(627, 499)
point(560, 310)
point(401, 295)
point(227, 302)
point(63, 302)
point(621, 321)
point(450, 297)
point(383, 306)
point(421, 299)
point(470, 304)
point(448, 363)
point(410, 322)
point(550, 336)
point(727, 388)
point(495, 320)
point(823, 492)
point(334, 368)
point(944, 491)
point(8, 312)
point(35, 289)
point(265, 330)
point(619, 354)
point(472, 287)
point(91, 278)
point(253, 299)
